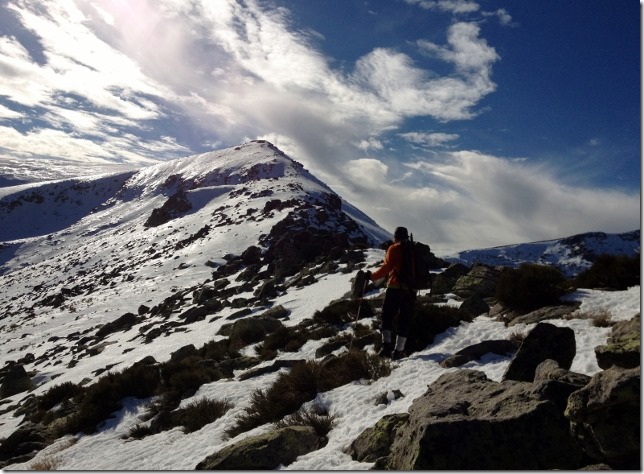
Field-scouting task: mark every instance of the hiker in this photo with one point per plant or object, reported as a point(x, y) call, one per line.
point(399, 298)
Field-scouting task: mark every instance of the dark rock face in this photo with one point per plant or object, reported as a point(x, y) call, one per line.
point(466, 421)
point(545, 341)
point(444, 281)
point(605, 416)
point(481, 280)
point(476, 351)
point(176, 205)
point(267, 451)
point(375, 442)
point(16, 380)
point(623, 347)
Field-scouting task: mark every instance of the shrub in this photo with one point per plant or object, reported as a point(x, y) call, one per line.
point(139, 432)
point(57, 394)
point(430, 320)
point(316, 417)
point(529, 287)
point(610, 271)
point(198, 414)
point(288, 339)
point(302, 383)
point(98, 401)
point(187, 375)
point(338, 313)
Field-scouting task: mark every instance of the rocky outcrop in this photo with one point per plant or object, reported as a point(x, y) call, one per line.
point(466, 421)
point(266, 451)
point(541, 314)
point(545, 341)
point(605, 417)
point(375, 442)
point(444, 281)
point(623, 347)
point(562, 420)
point(481, 280)
point(15, 380)
point(501, 347)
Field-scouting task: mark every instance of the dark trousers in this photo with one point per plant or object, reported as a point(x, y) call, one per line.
point(401, 302)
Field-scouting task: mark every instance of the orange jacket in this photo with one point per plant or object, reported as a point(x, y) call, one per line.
point(391, 267)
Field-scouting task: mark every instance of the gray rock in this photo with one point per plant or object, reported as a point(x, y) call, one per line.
point(623, 347)
point(481, 280)
point(605, 416)
point(375, 442)
point(266, 451)
point(476, 351)
point(543, 314)
point(15, 381)
point(545, 341)
point(466, 421)
point(474, 306)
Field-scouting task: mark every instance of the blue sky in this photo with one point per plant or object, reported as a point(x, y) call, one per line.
point(473, 123)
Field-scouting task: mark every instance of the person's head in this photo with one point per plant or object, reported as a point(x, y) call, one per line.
point(400, 234)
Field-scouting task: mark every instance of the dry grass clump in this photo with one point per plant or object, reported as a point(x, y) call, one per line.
point(599, 319)
point(517, 337)
point(302, 383)
point(200, 413)
point(48, 463)
point(317, 417)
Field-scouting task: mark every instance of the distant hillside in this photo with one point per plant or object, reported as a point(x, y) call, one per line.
point(571, 254)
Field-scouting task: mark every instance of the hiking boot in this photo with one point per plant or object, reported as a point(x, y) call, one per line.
point(386, 350)
point(397, 355)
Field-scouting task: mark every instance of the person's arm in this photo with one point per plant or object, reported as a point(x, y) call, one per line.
point(384, 270)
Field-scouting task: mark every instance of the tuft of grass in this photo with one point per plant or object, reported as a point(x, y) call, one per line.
point(317, 417)
point(517, 337)
point(48, 463)
point(302, 383)
point(200, 413)
point(599, 319)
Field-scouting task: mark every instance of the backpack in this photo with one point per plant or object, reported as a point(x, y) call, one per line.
point(417, 258)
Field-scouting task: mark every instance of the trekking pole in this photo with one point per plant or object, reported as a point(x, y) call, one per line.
point(355, 321)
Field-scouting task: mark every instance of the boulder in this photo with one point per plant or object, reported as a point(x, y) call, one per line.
point(375, 442)
point(480, 280)
point(15, 381)
point(122, 323)
point(266, 451)
point(474, 306)
point(605, 417)
point(500, 346)
point(466, 421)
point(250, 330)
point(542, 314)
point(444, 281)
point(545, 341)
point(623, 347)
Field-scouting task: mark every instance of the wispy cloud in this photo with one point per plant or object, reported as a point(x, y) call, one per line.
point(115, 81)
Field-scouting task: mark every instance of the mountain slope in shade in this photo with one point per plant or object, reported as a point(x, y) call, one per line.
point(571, 254)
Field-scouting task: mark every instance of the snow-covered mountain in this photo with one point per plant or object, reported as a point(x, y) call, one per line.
point(571, 255)
point(144, 247)
point(134, 228)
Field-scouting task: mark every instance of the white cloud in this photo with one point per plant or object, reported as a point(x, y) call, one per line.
point(452, 6)
point(431, 139)
point(467, 51)
point(470, 199)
